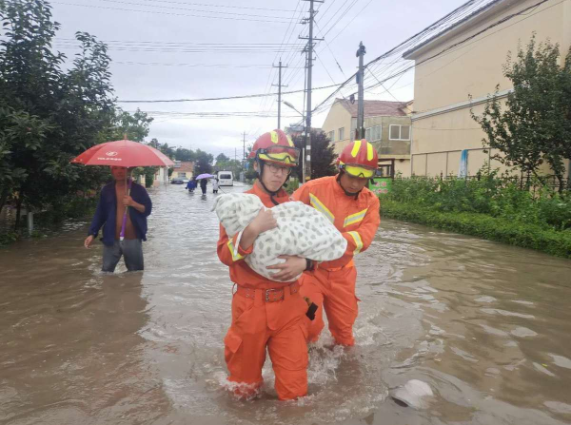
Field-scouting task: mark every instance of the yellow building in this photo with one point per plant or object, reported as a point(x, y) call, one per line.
point(387, 126)
point(467, 59)
point(183, 170)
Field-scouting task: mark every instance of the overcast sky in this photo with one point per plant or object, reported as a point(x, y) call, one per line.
point(159, 51)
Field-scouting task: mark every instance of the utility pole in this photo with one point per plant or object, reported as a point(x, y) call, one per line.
point(309, 52)
point(235, 161)
point(360, 130)
point(279, 93)
point(244, 157)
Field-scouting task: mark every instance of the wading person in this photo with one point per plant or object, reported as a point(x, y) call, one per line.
point(266, 314)
point(215, 186)
point(203, 183)
point(113, 201)
point(354, 210)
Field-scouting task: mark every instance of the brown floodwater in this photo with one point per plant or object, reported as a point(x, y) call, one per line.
point(486, 326)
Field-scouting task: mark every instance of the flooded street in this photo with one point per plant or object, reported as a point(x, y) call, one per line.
point(487, 326)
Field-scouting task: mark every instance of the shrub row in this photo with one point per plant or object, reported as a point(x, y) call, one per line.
point(499, 229)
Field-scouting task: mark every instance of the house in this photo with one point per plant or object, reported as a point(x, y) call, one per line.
point(183, 170)
point(465, 60)
point(387, 126)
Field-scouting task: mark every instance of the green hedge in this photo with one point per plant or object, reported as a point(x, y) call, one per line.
point(493, 228)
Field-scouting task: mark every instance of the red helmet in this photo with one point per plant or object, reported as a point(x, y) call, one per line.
point(359, 159)
point(275, 146)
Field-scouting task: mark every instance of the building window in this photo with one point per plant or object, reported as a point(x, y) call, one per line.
point(182, 175)
point(399, 132)
point(342, 134)
point(177, 164)
point(377, 133)
point(331, 136)
point(374, 133)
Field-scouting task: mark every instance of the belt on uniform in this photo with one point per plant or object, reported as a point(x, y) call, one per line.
point(336, 269)
point(268, 295)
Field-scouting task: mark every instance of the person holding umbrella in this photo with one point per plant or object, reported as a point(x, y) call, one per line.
point(114, 200)
point(203, 183)
point(123, 206)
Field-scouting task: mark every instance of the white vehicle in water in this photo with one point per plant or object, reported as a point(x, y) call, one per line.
point(225, 178)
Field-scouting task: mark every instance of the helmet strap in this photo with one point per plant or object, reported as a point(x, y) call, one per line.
point(260, 173)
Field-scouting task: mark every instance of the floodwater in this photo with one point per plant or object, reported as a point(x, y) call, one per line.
point(485, 325)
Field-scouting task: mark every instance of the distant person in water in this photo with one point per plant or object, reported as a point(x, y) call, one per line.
point(203, 183)
point(215, 185)
point(191, 185)
point(113, 201)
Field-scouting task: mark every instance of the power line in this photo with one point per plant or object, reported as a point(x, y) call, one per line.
point(172, 43)
point(351, 21)
point(191, 65)
point(220, 6)
point(271, 75)
point(220, 98)
point(266, 20)
point(409, 40)
point(189, 10)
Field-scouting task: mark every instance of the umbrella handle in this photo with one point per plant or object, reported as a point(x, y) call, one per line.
point(124, 224)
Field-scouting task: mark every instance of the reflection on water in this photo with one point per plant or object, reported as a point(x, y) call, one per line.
point(485, 325)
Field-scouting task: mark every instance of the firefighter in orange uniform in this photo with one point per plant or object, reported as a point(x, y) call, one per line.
point(266, 314)
point(354, 210)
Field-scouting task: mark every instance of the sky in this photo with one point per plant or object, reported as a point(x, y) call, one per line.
point(193, 49)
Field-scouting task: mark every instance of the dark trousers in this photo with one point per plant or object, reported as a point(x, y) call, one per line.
point(130, 249)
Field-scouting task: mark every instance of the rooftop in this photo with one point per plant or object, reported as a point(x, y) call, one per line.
point(409, 54)
point(375, 108)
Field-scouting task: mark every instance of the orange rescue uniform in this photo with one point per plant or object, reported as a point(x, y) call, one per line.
point(332, 284)
point(264, 314)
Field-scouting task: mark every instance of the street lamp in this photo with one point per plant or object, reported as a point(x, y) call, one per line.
point(289, 105)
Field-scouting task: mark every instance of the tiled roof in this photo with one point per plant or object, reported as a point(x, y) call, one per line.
point(185, 167)
point(375, 108)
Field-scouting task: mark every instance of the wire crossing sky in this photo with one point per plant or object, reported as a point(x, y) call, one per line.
point(208, 68)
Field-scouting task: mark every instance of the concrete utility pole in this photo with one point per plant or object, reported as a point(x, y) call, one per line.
point(244, 157)
point(279, 93)
point(360, 130)
point(309, 51)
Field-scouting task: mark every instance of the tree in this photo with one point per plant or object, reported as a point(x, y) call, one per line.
point(222, 158)
point(203, 162)
point(322, 155)
point(48, 115)
point(134, 126)
point(183, 154)
point(536, 125)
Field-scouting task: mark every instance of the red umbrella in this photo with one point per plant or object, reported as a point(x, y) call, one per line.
point(123, 153)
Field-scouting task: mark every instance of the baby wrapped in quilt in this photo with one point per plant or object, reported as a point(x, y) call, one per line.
point(301, 231)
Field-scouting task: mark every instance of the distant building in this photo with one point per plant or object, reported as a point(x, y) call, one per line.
point(387, 126)
point(183, 170)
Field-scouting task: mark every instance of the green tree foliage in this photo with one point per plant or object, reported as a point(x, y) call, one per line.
point(203, 163)
point(48, 115)
point(222, 158)
point(536, 124)
point(134, 126)
point(223, 163)
point(322, 155)
point(183, 154)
